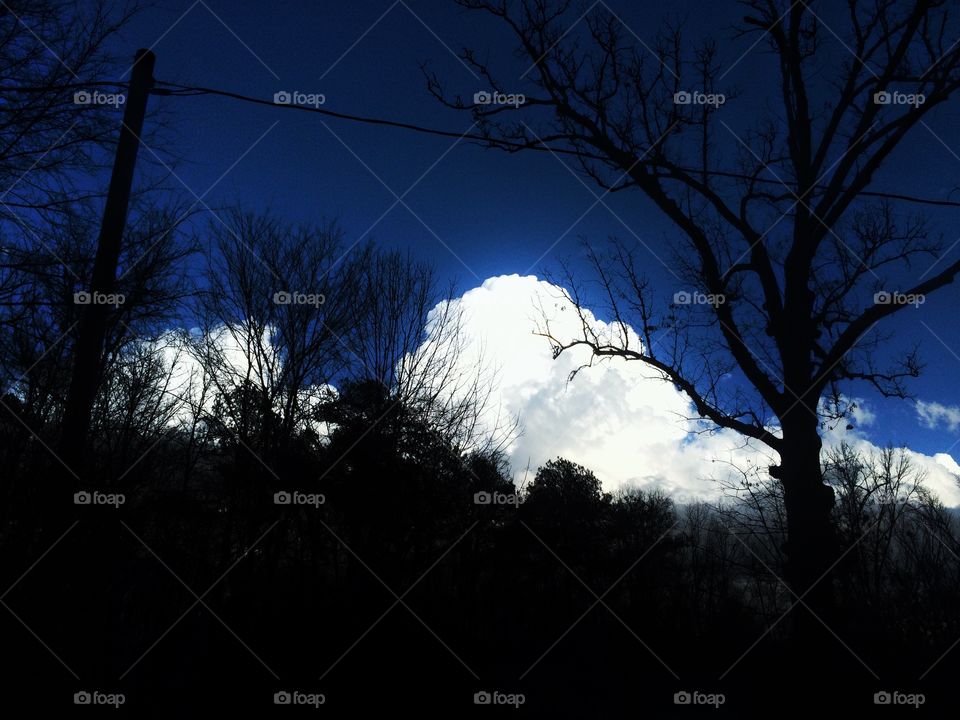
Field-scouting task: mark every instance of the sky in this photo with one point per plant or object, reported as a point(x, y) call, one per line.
point(489, 220)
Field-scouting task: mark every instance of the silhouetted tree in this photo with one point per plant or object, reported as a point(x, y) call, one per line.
point(788, 307)
point(50, 50)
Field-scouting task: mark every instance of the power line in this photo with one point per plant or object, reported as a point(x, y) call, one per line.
point(189, 91)
point(177, 90)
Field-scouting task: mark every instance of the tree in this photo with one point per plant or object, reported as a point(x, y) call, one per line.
point(51, 146)
point(565, 500)
point(37, 337)
point(276, 304)
point(49, 50)
point(781, 232)
point(409, 335)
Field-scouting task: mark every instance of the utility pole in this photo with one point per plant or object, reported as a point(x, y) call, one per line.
point(88, 353)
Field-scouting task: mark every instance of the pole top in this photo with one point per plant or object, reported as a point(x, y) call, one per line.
point(143, 62)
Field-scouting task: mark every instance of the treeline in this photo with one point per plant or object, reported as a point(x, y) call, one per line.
point(299, 493)
point(291, 483)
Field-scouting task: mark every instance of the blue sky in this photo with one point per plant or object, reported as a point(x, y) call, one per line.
point(479, 213)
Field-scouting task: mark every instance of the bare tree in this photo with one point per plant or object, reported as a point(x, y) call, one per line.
point(51, 50)
point(53, 54)
point(277, 302)
point(410, 337)
point(780, 229)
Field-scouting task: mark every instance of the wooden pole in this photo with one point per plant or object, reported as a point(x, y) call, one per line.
point(88, 353)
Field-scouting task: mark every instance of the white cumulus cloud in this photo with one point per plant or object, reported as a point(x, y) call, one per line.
point(617, 418)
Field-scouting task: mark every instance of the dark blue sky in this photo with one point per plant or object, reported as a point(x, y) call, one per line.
point(481, 212)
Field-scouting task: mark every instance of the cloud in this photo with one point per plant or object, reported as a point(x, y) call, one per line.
point(617, 417)
point(862, 415)
point(933, 414)
point(190, 355)
point(940, 470)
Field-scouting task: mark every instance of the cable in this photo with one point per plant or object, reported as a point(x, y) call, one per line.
point(182, 91)
point(190, 91)
point(370, 120)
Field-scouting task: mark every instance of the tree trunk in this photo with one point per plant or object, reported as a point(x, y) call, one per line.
point(811, 547)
